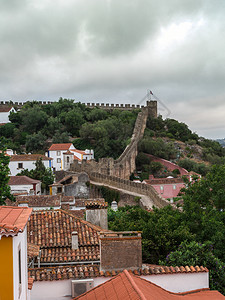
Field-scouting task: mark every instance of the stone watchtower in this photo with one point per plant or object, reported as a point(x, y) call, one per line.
point(152, 108)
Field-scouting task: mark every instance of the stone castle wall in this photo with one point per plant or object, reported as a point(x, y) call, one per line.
point(139, 188)
point(125, 164)
point(106, 106)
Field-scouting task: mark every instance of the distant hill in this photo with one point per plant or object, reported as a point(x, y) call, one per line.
point(221, 141)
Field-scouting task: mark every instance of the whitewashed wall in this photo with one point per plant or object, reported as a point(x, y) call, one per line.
point(177, 283)
point(26, 188)
point(20, 240)
point(14, 170)
point(4, 116)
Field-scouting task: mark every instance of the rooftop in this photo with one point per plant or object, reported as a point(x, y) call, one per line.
point(51, 230)
point(13, 219)
point(21, 180)
point(55, 147)
point(4, 108)
point(130, 287)
point(91, 271)
point(29, 157)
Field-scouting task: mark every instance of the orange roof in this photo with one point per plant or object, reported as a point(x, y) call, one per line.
point(127, 286)
point(29, 157)
point(79, 151)
point(77, 158)
point(55, 147)
point(13, 219)
point(52, 231)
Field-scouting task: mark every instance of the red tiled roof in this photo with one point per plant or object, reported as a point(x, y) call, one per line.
point(90, 271)
point(44, 200)
point(55, 147)
point(127, 286)
point(51, 230)
point(29, 157)
point(4, 108)
point(77, 158)
point(13, 219)
point(21, 180)
point(79, 151)
point(32, 250)
point(30, 283)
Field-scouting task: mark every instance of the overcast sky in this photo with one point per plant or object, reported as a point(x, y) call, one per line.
point(113, 51)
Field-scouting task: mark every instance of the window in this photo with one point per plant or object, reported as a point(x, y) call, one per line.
point(58, 160)
point(68, 159)
point(58, 153)
point(174, 186)
point(20, 165)
point(19, 270)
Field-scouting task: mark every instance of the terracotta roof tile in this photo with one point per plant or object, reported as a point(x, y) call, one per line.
point(32, 250)
point(130, 287)
point(59, 147)
point(89, 271)
point(21, 180)
point(28, 157)
point(30, 283)
point(5, 108)
point(51, 230)
point(43, 200)
point(13, 219)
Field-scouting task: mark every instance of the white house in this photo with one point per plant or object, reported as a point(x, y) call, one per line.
point(24, 185)
point(64, 154)
point(13, 252)
point(4, 113)
point(21, 162)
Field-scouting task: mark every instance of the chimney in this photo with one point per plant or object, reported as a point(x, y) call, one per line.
point(120, 250)
point(96, 213)
point(74, 238)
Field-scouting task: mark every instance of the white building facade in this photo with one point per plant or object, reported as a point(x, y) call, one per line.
point(58, 151)
point(4, 113)
point(19, 163)
point(24, 185)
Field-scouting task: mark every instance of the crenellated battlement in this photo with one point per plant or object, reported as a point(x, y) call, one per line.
point(152, 105)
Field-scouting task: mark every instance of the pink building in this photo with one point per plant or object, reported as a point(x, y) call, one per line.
point(166, 187)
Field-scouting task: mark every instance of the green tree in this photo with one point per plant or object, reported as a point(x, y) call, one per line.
point(33, 119)
point(162, 229)
point(36, 142)
point(196, 254)
point(41, 173)
point(73, 121)
point(5, 192)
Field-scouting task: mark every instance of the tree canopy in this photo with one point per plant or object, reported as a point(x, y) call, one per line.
point(5, 192)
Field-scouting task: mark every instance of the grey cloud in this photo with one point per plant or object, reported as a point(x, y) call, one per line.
point(110, 51)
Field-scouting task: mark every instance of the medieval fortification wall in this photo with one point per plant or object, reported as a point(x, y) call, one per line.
point(139, 188)
point(125, 164)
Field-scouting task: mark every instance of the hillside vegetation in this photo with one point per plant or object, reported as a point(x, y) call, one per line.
point(36, 126)
point(174, 141)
